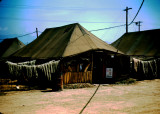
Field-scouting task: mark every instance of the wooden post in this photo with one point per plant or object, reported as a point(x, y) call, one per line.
point(37, 32)
point(127, 18)
point(138, 24)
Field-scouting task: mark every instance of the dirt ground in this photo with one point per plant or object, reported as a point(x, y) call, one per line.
point(142, 97)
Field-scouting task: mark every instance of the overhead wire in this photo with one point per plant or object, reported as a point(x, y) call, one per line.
point(108, 28)
point(137, 13)
point(108, 33)
point(102, 28)
point(3, 5)
point(22, 35)
point(123, 24)
point(26, 34)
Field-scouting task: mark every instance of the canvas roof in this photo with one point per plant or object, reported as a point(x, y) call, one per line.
point(143, 43)
point(63, 41)
point(9, 46)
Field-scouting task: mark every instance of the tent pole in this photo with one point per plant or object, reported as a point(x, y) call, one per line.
point(92, 66)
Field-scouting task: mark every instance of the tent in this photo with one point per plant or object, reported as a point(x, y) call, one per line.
point(63, 41)
point(80, 53)
point(144, 49)
point(143, 43)
point(9, 46)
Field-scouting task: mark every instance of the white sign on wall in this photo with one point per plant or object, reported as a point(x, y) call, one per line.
point(109, 72)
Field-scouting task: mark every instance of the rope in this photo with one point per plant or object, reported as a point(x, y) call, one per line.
point(90, 99)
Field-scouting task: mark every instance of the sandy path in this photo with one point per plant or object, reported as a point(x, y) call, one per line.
point(142, 97)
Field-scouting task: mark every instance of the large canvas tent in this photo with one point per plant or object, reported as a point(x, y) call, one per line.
point(144, 49)
point(81, 53)
point(143, 43)
point(63, 41)
point(9, 46)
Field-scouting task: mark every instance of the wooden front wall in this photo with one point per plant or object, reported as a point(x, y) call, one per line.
point(77, 77)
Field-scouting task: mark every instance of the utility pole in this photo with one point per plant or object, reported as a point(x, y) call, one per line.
point(37, 32)
point(138, 24)
point(127, 18)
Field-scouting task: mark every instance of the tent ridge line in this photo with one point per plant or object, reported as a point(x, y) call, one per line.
point(69, 39)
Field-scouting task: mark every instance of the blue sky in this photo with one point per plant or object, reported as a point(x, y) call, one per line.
point(19, 17)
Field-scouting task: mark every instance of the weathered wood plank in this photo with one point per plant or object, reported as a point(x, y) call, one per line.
point(77, 77)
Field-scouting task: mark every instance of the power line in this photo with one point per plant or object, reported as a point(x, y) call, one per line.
point(131, 23)
point(123, 24)
point(108, 28)
point(26, 34)
point(102, 28)
point(137, 13)
point(21, 35)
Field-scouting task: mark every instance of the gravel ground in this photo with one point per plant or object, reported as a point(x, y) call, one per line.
point(141, 97)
